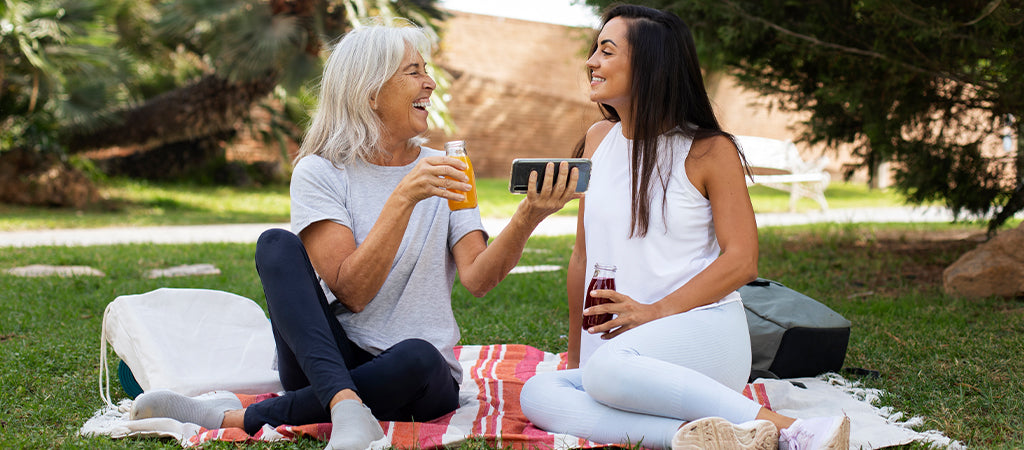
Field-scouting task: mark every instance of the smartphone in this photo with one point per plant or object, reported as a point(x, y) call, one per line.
point(521, 168)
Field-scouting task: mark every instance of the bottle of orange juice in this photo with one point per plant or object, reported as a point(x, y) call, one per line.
point(457, 150)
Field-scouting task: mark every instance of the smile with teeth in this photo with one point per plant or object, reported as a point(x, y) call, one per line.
point(422, 104)
point(596, 79)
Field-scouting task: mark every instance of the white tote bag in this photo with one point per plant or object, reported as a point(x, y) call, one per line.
point(190, 341)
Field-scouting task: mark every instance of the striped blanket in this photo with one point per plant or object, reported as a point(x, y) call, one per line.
point(489, 411)
point(489, 399)
point(489, 407)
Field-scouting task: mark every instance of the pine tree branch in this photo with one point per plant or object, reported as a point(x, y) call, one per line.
point(856, 51)
point(985, 13)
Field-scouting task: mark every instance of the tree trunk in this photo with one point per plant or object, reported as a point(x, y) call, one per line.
point(210, 106)
point(1019, 164)
point(170, 161)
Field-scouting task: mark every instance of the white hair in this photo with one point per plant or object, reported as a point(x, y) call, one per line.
point(345, 127)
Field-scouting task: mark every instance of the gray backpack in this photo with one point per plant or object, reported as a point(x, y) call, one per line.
point(791, 334)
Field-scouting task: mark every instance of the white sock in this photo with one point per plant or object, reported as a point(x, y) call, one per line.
point(353, 426)
point(207, 411)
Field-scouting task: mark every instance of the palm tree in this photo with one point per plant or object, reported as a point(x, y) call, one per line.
point(245, 50)
point(56, 67)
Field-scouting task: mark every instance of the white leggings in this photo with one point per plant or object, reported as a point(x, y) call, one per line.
point(641, 386)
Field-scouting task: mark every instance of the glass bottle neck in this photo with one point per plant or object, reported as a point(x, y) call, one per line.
point(455, 148)
point(604, 271)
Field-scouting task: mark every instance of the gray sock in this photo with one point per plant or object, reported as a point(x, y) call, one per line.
point(353, 426)
point(207, 412)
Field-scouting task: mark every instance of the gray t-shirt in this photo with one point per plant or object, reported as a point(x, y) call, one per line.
point(415, 300)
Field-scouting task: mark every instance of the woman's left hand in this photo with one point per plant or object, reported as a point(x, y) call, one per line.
point(628, 313)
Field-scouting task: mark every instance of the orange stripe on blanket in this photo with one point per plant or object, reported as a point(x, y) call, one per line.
point(222, 434)
point(248, 399)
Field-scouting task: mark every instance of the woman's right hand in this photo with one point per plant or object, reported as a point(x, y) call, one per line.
point(432, 177)
point(555, 192)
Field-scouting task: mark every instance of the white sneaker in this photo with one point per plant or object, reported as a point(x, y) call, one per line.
point(825, 433)
point(716, 433)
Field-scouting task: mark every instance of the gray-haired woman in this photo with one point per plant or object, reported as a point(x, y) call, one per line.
point(360, 296)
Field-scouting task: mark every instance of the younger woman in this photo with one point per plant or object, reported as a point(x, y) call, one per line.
point(668, 369)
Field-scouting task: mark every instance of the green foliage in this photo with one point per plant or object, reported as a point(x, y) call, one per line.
point(86, 74)
point(56, 66)
point(920, 83)
point(240, 39)
point(243, 40)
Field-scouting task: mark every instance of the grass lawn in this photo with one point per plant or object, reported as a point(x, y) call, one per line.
point(141, 203)
point(955, 362)
point(952, 361)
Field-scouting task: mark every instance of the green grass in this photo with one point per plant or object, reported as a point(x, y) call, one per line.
point(838, 195)
point(141, 203)
point(954, 362)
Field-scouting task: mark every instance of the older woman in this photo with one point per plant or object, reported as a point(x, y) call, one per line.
point(360, 296)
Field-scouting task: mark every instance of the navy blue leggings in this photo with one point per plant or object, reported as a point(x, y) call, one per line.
point(410, 381)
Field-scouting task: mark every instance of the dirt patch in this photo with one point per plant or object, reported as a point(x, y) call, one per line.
point(889, 262)
point(926, 254)
point(34, 178)
point(972, 235)
point(7, 337)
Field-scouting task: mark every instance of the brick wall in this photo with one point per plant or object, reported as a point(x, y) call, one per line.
point(520, 89)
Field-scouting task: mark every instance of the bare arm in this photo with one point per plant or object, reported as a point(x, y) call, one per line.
point(576, 278)
point(355, 274)
point(482, 266)
point(575, 285)
point(718, 174)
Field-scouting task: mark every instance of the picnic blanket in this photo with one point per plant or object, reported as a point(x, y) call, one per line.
point(489, 411)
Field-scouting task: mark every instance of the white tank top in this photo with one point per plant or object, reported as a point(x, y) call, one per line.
point(680, 240)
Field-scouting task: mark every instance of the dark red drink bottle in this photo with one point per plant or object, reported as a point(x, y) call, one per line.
point(604, 278)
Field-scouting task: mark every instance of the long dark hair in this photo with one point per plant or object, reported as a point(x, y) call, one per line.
point(668, 97)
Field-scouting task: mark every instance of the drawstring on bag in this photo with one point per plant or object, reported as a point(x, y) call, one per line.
point(104, 369)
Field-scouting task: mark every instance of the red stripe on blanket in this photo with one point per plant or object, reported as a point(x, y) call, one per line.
point(498, 373)
point(762, 395)
point(757, 393)
point(485, 383)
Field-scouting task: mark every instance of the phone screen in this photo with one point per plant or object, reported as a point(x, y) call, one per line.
point(521, 168)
